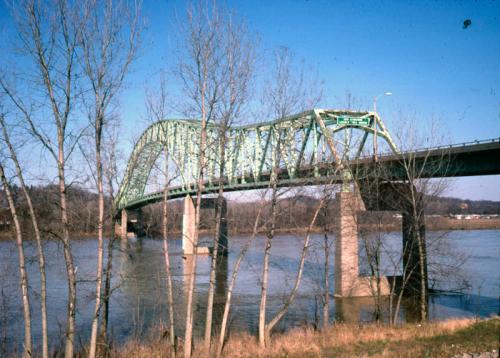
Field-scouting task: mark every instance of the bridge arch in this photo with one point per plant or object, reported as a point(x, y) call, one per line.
point(308, 149)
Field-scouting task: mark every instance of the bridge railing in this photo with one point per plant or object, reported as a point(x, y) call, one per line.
point(429, 149)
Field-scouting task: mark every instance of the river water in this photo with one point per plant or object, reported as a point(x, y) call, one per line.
point(465, 261)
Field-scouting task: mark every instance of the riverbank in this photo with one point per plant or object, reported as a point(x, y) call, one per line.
point(445, 223)
point(433, 223)
point(434, 339)
point(9, 235)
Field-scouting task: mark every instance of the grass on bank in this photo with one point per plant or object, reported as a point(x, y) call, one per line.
point(435, 339)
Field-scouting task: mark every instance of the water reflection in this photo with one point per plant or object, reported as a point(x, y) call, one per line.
point(349, 309)
point(221, 275)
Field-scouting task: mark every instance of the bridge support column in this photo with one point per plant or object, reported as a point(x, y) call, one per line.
point(129, 225)
point(117, 227)
point(188, 226)
point(135, 223)
point(348, 283)
point(402, 197)
point(123, 225)
point(223, 232)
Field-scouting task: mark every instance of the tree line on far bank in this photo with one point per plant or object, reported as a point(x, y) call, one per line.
point(295, 212)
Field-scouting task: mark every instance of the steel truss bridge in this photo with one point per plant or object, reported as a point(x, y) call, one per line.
point(307, 148)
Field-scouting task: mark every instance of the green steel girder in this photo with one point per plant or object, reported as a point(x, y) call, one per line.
point(249, 151)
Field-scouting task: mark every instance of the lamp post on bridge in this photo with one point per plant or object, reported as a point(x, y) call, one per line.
point(375, 122)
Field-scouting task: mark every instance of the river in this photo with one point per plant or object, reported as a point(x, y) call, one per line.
point(467, 261)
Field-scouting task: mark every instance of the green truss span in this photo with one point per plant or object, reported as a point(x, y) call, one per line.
point(309, 152)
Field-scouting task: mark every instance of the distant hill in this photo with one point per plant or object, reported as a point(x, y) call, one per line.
point(82, 209)
point(435, 205)
point(446, 205)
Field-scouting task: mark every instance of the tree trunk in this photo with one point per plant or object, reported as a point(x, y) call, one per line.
point(423, 274)
point(170, 295)
point(263, 339)
point(41, 255)
point(103, 330)
point(100, 229)
point(68, 256)
point(418, 238)
point(373, 258)
point(188, 336)
point(298, 278)
point(265, 269)
point(23, 276)
point(227, 304)
point(215, 253)
point(407, 275)
point(326, 294)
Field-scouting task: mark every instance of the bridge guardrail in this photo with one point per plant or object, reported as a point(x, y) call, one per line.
point(446, 146)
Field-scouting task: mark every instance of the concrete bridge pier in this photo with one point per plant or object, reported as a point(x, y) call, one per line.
point(121, 225)
point(189, 226)
point(348, 283)
point(223, 231)
point(402, 198)
point(129, 225)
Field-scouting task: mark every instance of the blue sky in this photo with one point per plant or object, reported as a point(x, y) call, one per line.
point(416, 49)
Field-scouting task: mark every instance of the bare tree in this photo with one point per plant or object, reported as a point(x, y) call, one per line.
point(156, 111)
point(108, 41)
point(408, 193)
point(326, 256)
point(168, 271)
point(287, 93)
point(36, 229)
point(227, 305)
point(23, 276)
point(418, 187)
point(291, 297)
point(110, 174)
point(197, 72)
point(234, 70)
point(49, 35)
point(267, 250)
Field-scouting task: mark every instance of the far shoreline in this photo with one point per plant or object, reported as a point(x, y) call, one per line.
point(432, 224)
